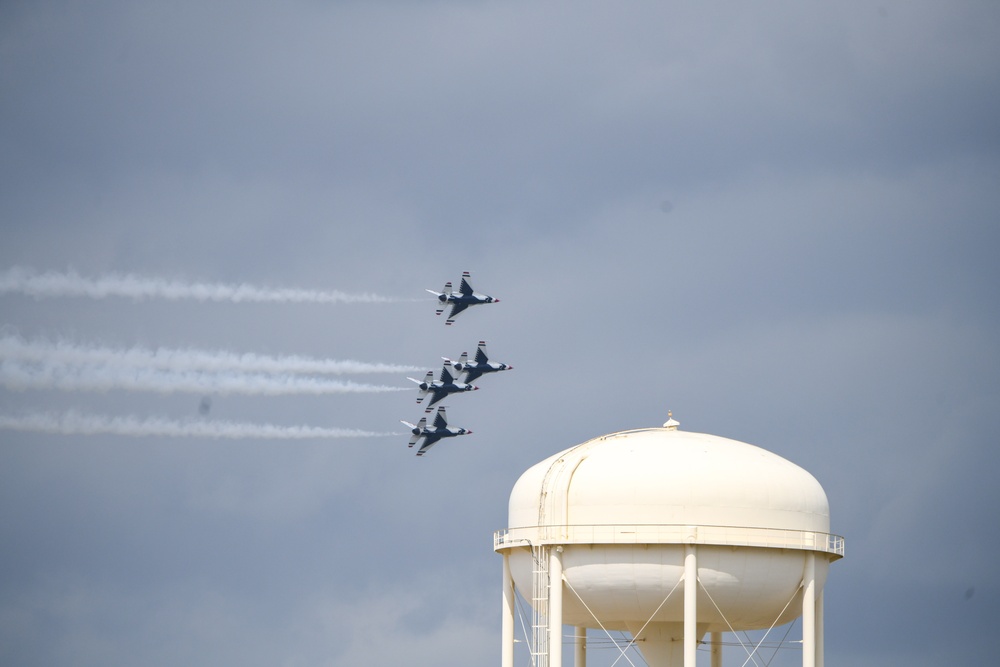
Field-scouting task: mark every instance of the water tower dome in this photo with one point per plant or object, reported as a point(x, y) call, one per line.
point(668, 535)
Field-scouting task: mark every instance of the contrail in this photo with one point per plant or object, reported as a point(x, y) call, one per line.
point(19, 375)
point(72, 284)
point(74, 423)
point(63, 352)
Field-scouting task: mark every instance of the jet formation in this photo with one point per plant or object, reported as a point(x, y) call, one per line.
point(455, 376)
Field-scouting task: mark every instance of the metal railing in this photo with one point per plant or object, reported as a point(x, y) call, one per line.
point(773, 538)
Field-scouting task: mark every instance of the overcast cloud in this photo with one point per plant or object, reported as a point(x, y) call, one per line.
point(779, 222)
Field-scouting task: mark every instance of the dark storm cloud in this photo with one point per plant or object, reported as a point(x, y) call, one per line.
point(433, 100)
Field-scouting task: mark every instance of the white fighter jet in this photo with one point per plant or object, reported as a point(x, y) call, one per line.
point(438, 389)
point(432, 434)
point(473, 370)
point(460, 300)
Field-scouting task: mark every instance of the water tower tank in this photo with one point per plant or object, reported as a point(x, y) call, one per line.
point(667, 535)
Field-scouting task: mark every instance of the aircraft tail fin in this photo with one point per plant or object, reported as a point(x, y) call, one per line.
point(447, 376)
point(418, 430)
point(466, 287)
point(442, 297)
point(422, 386)
point(481, 357)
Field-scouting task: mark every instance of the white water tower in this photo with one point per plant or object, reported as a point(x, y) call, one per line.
point(666, 535)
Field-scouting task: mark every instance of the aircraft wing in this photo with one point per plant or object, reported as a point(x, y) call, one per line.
point(472, 374)
point(429, 441)
point(437, 396)
point(456, 308)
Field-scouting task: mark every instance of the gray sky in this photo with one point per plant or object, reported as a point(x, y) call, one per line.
point(780, 222)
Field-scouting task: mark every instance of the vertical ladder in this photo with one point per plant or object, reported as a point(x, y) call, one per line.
point(540, 606)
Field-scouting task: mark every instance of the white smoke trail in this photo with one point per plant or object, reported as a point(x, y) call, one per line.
point(71, 284)
point(74, 423)
point(64, 352)
point(19, 375)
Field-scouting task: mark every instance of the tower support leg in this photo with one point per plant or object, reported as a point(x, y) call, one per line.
point(716, 649)
point(690, 606)
point(809, 612)
point(555, 607)
point(507, 616)
point(819, 628)
point(580, 646)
